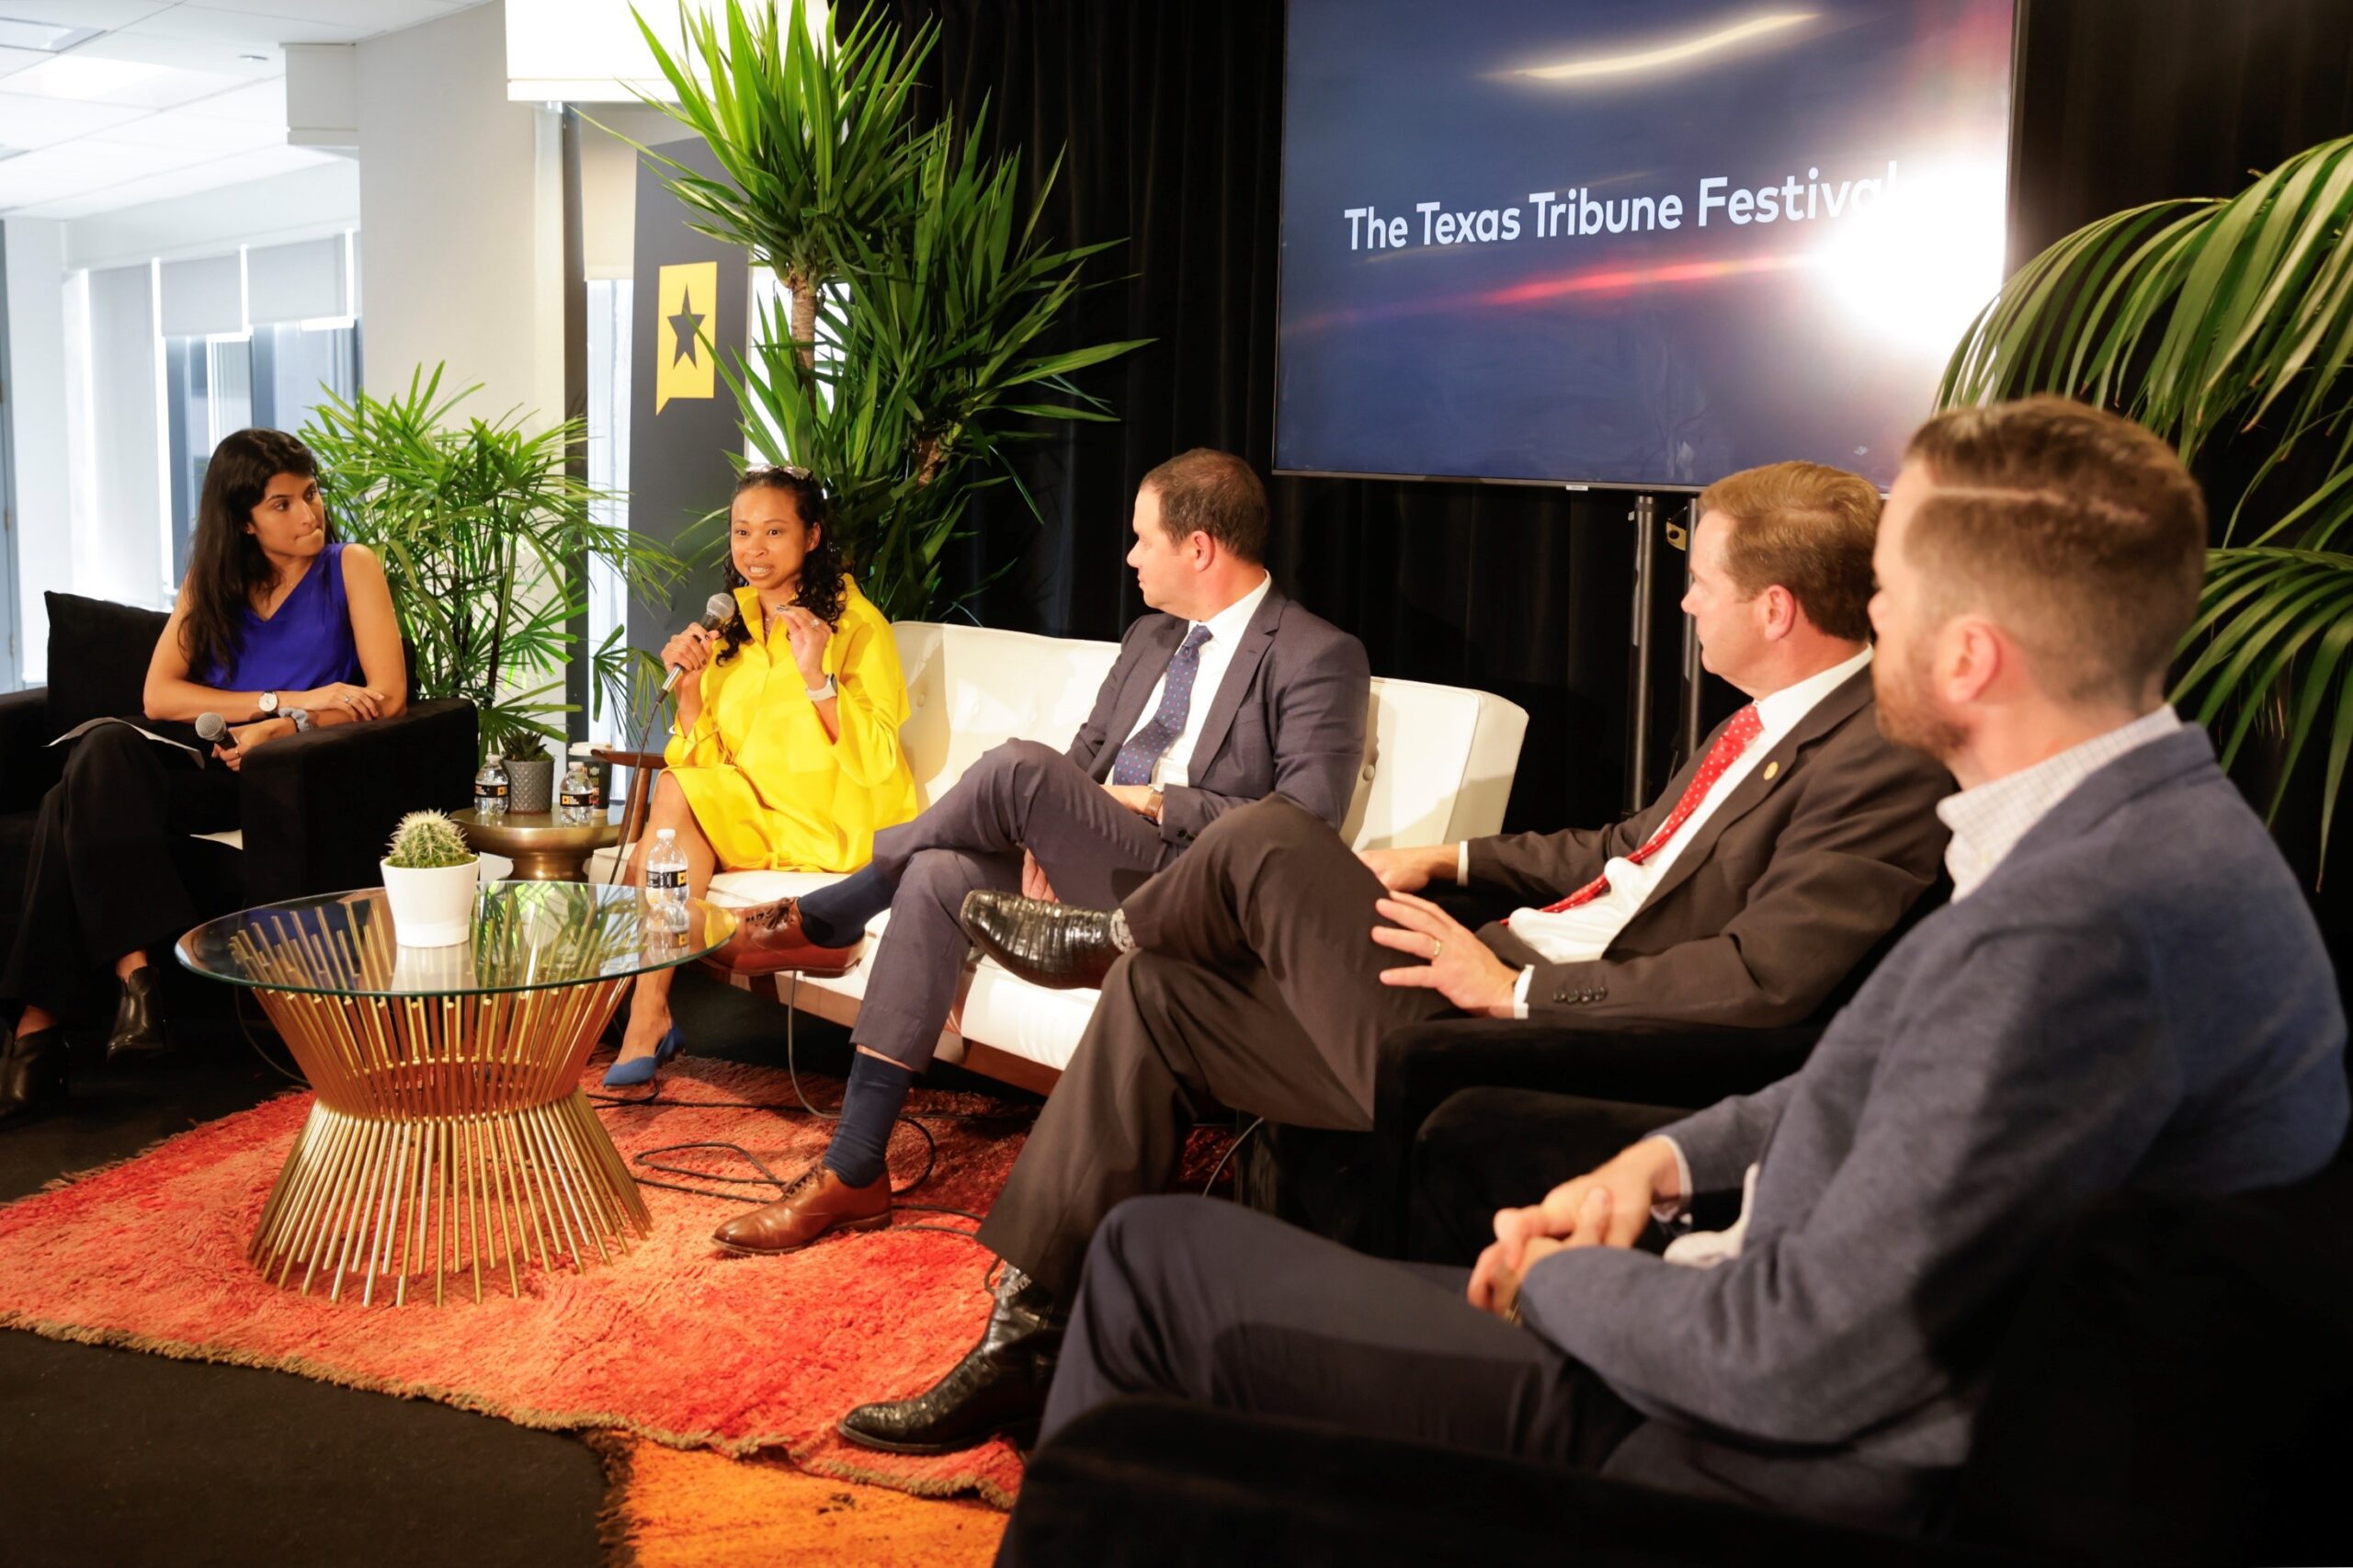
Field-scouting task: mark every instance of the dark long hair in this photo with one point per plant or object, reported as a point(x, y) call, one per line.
point(227, 570)
point(825, 575)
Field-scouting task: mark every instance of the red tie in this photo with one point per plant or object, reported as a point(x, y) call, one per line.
point(1745, 727)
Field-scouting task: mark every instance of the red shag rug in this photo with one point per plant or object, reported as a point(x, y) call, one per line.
point(675, 1341)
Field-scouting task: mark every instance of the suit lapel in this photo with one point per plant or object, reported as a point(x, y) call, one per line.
point(1771, 772)
point(1256, 638)
point(1154, 648)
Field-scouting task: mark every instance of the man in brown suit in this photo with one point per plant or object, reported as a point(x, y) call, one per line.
point(1242, 974)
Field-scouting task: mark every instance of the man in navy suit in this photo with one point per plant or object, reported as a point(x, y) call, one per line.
point(2128, 990)
point(1229, 693)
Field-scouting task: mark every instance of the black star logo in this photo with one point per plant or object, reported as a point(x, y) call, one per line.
point(685, 324)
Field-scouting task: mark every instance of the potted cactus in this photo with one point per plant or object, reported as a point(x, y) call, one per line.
point(430, 877)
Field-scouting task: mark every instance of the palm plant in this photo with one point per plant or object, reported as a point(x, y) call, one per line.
point(479, 524)
point(814, 141)
point(923, 273)
point(2226, 327)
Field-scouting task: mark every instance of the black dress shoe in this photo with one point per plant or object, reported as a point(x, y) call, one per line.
point(1050, 945)
point(32, 1072)
point(137, 1034)
point(999, 1387)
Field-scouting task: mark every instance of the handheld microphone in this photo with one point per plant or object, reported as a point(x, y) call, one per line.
point(717, 611)
point(213, 728)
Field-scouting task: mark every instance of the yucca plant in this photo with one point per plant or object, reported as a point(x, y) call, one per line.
point(928, 284)
point(479, 524)
point(422, 840)
point(2226, 327)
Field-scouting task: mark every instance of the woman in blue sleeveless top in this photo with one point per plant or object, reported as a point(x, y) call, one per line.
point(278, 628)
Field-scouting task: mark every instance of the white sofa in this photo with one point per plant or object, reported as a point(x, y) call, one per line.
point(1441, 766)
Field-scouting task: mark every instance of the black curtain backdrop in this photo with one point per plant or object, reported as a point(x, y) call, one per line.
point(1169, 115)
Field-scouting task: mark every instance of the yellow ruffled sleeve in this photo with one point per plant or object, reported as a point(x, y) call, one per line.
point(871, 697)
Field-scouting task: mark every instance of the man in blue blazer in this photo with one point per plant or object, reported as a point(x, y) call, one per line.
point(1228, 693)
point(2127, 990)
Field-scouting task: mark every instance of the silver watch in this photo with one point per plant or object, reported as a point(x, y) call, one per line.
point(820, 693)
point(268, 704)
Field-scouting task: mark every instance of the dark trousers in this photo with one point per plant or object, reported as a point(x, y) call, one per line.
point(1206, 1301)
point(1020, 795)
point(1487, 1148)
point(101, 881)
point(1255, 985)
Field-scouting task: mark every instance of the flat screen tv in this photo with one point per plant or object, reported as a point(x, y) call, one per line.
point(1639, 243)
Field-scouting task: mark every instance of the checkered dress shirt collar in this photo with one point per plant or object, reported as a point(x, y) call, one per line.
point(1988, 822)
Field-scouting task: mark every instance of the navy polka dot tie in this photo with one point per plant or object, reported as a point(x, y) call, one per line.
point(1133, 765)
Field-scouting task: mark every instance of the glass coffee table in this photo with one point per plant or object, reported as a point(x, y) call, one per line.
point(449, 1135)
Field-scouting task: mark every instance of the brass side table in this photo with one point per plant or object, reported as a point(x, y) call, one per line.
point(449, 1136)
point(543, 848)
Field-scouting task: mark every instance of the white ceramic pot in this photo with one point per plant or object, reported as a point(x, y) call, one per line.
point(433, 906)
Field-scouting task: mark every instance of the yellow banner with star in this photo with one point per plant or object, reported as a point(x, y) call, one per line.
point(684, 327)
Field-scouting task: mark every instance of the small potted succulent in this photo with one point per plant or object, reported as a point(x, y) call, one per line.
point(431, 876)
point(531, 773)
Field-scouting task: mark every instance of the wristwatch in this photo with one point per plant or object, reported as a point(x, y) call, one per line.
point(301, 717)
point(268, 704)
point(821, 693)
point(1152, 804)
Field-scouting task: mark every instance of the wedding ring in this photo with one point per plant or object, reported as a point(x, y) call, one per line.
point(1438, 946)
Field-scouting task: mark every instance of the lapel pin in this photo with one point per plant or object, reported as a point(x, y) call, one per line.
point(1772, 770)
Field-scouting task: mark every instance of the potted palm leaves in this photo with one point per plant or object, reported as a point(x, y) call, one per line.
point(430, 878)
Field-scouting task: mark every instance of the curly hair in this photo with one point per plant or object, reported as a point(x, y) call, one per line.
point(227, 570)
point(824, 573)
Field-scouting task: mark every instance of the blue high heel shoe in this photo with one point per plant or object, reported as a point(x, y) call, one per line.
point(629, 1074)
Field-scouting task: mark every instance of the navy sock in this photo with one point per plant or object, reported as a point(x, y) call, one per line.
point(869, 1109)
point(836, 916)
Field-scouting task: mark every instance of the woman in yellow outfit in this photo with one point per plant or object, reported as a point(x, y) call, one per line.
point(786, 753)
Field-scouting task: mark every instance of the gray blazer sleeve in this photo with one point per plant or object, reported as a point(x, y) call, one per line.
point(2026, 1077)
point(1320, 699)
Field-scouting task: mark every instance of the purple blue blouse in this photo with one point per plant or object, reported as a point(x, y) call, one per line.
point(308, 642)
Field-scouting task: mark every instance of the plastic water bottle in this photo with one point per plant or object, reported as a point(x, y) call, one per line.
point(666, 884)
point(491, 789)
point(576, 802)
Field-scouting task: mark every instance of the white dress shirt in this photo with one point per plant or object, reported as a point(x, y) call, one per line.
point(1585, 933)
point(1216, 656)
point(1987, 822)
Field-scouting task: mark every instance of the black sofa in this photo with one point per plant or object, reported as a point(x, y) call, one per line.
point(318, 807)
point(1353, 1186)
point(2171, 1388)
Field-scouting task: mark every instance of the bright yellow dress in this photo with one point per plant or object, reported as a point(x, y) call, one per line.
point(767, 789)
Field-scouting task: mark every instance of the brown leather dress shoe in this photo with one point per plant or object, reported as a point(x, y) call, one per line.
point(768, 940)
point(811, 1209)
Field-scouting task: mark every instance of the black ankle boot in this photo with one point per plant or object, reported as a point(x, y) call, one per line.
point(999, 1387)
point(138, 1033)
point(32, 1072)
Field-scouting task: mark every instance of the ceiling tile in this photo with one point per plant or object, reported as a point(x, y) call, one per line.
point(220, 57)
point(366, 17)
point(37, 122)
point(175, 128)
point(84, 78)
point(236, 29)
point(49, 173)
point(263, 103)
point(14, 60)
point(210, 174)
point(84, 13)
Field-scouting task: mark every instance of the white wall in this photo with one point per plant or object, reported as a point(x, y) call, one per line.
point(121, 546)
point(35, 406)
point(461, 225)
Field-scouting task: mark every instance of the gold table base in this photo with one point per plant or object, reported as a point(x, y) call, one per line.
point(449, 1138)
